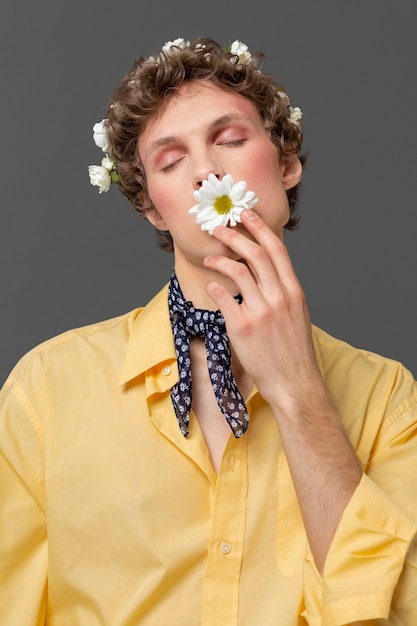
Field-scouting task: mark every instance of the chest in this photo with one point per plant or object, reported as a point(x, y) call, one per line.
point(212, 422)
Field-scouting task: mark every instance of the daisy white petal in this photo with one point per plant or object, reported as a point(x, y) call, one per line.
point(238, 190)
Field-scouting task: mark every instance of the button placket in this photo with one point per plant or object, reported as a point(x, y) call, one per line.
point(227, 536)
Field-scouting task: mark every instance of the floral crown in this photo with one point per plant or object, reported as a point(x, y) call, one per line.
point(104, 175)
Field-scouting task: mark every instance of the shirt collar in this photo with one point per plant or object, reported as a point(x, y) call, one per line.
point(150, 342)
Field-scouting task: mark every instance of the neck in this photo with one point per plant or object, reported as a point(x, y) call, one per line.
point(193, 285)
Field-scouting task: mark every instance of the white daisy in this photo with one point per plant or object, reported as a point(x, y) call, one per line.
point(220, 202)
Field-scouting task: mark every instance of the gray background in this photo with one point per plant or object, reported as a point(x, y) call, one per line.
point(69, 256)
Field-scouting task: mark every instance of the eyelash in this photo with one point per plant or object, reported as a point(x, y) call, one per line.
point(169, 167)
point(235, 142)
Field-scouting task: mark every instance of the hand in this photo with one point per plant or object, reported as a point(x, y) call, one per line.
point(270, 331)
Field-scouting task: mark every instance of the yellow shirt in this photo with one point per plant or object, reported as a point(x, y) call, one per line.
point(110, 517)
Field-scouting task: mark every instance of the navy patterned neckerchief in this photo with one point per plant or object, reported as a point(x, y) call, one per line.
point(186, 322)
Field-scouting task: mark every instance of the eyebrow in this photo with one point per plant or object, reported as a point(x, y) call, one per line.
point(224, 120)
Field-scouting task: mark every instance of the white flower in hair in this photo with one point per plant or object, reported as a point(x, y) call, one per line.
point(100, 135)
point(241, 50)
point(170, 46)
point(107, 163)
point(295, 114)
point(284, 96)
point(100, 177)
point(221, 202)
point(104, 175)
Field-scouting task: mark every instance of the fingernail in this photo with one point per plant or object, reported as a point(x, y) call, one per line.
point(249, 215)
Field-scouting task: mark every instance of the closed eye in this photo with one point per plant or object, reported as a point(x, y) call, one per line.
point(170, 166)
point(233, 142)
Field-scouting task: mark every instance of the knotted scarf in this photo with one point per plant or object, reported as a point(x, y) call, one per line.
point(188, 321)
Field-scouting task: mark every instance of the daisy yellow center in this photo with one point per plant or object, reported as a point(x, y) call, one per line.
point(222, 205)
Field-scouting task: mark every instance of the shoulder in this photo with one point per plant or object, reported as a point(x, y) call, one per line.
point(75, 347)
point(364, 383)
point(336, 352)
point(82, 355)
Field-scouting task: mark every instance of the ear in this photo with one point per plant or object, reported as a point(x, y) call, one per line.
point(292, 170)
point(151, 213)
point(154, 217)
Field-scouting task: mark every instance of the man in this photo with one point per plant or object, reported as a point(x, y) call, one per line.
point(151, 479)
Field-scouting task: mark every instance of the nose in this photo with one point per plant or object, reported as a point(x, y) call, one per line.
point(206, 164)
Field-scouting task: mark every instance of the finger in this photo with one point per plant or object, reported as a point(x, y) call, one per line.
point(269, 262)
point(224, 301)
point(246, 284)
point(271, 243)
point(254, 255)
point(260, 308)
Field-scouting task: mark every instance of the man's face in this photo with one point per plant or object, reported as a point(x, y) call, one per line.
point(205, 129)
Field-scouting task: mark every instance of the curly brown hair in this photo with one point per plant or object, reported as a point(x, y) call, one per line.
point(148, 87)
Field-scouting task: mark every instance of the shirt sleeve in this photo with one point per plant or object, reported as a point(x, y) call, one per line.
point(371, 569)
point(23, 548)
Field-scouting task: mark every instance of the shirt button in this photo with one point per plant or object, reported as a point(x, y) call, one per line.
point(166, 370)
point(225, 548)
